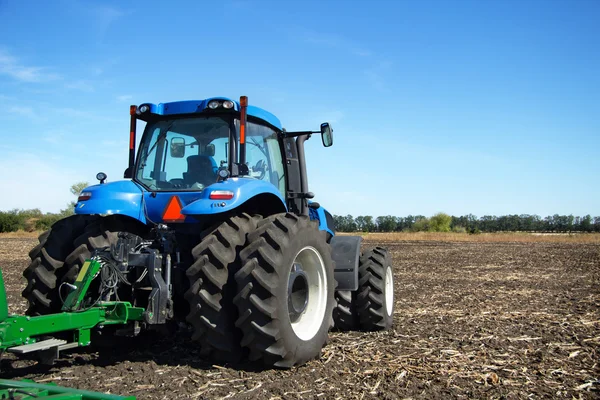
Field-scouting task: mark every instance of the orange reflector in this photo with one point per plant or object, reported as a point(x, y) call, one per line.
point(221, 195)
point(131, 140)
point(172, 212)
point(243, 133)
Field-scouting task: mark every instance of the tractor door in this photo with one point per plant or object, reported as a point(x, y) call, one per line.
point(294, 184)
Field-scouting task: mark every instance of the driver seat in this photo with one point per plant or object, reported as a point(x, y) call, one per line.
point(200, 170)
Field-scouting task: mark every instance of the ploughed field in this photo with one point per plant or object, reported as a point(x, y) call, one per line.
point(472, 320)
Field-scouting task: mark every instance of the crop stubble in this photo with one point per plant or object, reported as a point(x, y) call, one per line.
point(472, 320)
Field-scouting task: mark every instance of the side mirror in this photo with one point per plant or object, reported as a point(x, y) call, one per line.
point(177, 147)
point(209, 150)
point(326, 134)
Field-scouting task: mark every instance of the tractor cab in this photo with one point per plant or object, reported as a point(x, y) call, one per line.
point(202, 159)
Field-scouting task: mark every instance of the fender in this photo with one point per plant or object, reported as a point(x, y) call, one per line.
point(120, 197)
point(345, 251)
point(320, 215)
point(243, 189)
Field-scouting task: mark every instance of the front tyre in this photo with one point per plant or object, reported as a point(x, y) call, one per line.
point(285, 291)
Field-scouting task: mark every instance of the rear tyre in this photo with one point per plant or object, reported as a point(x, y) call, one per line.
point(344, 313)
point(47, 268)
point(60, 254)
point(210, 296)
point(375, 295)
point(285, 291)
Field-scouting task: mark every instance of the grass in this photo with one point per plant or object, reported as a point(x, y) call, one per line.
point(20, 234)
point(482, 237)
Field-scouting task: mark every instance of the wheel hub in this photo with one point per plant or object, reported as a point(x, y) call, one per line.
point(297, 292)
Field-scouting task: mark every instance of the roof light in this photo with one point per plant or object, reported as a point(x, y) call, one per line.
point(143, 108)
point(221, 195)
point(213, 104)
point(83, 196)
point(228, 104)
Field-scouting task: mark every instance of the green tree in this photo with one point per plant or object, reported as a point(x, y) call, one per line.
point(440, 222)
point(421, 224)
point(386, 223)
point(586, 224)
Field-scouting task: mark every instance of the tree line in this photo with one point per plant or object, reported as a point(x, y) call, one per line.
point(470, 223)
point(34, 219)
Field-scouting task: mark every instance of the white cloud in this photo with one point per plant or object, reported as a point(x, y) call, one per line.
point(124, 98)
point(11, 66)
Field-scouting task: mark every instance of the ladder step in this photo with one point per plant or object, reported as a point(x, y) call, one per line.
point(43, 345)
point(68, 346)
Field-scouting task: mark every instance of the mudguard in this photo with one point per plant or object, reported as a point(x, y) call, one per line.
point(243, 190)
point(120, 197)
point(345, 251)
point(320, 214)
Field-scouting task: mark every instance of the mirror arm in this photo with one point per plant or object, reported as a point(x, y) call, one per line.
point(299, 133)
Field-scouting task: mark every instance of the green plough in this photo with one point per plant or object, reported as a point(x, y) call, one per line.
point(25, 336)
point(29, 390)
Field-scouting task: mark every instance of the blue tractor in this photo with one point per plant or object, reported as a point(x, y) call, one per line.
point(214, 230)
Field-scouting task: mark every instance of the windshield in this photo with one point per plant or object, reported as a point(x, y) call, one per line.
point(182, 154)
point(186, 153)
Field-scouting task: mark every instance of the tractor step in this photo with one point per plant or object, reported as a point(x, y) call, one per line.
point(43, 345)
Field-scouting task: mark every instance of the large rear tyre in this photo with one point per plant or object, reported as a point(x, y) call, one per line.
point(47, 270)
point(60, 254)
point(344, 313)
point(286, 286)
point(375, 295)
point(212, 288)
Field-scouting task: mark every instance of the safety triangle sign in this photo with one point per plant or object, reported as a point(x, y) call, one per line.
point(172, 212)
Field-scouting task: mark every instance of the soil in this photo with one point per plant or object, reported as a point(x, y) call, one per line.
point(472, 320)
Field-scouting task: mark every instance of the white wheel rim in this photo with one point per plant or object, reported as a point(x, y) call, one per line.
point(310, 321)
point(389, 290)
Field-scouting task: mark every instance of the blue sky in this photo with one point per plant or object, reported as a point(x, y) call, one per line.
point(483, 107)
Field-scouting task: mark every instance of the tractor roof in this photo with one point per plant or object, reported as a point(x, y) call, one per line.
point(198, 106)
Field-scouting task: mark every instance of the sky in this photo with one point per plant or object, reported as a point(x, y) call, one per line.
point(482, 107)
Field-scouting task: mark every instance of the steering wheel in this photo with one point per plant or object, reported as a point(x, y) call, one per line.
point(260, 167)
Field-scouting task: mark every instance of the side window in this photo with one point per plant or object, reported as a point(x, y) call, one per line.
point(277, 174)
point(257, 157)
point(263, 156)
